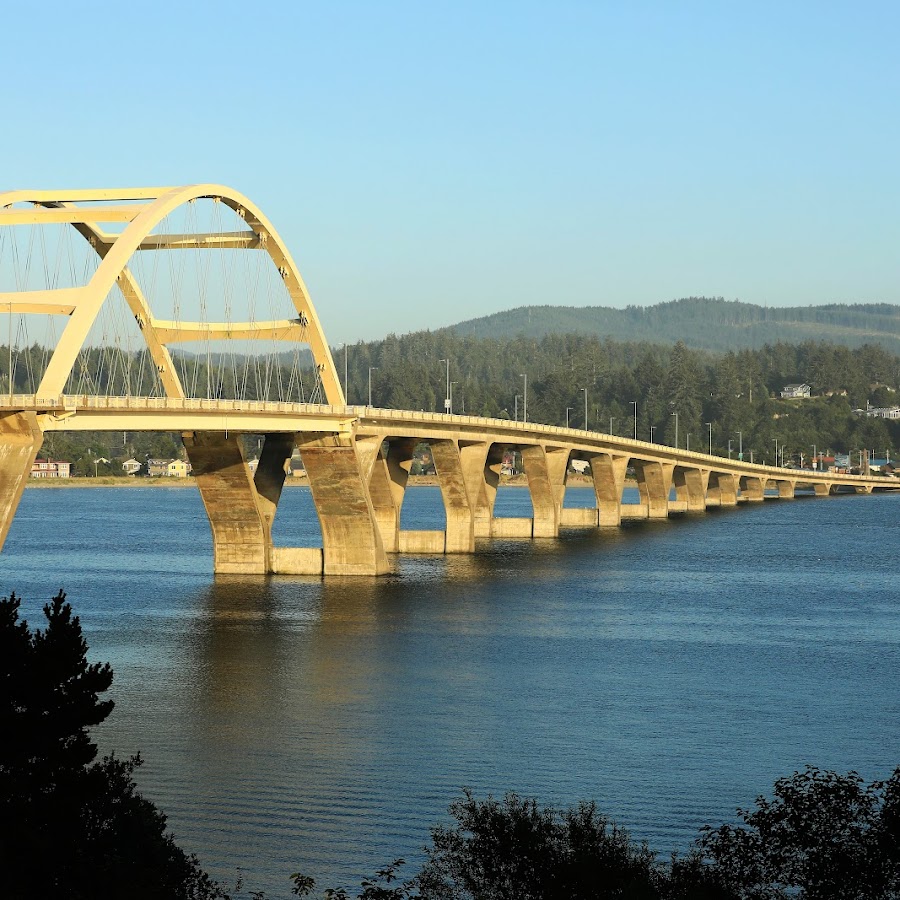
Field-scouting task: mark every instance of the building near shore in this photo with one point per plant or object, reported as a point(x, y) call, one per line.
point(50, 468)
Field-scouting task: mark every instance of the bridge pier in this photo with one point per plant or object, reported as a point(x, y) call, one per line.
point(453, 460)
point(608, 475)
point(785, 490)
point(822, 490)
point(690, 488)
point(752, 489)
point(387, 487)
point(654, 483)
point(546, 471)
point(722, 490)
point(338, 468)
point(242, 537)
point(483, 492)
point(20, 440)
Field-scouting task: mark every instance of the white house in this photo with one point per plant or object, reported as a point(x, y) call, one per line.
point(795, 391)
point(883, 412)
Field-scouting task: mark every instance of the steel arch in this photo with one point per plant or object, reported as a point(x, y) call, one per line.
point(83, 304)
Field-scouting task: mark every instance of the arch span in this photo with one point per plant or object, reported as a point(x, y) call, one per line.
point(149, 206)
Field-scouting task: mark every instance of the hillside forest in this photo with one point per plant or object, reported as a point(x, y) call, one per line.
point(737, 393)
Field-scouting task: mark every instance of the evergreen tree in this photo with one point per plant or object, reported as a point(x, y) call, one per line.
point(71, 827)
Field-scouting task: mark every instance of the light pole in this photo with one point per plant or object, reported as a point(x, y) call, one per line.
point(448, 400)
point(611, 420)
point(709, 426)
point(676, 429)
point(516, 418)
point(346, 389)
point(524, 377)
point(634, 404)
point(776, 450)
point(568, 410)
point(652, 429)
point(585, 409)
point(729, 448)
point(371, 370)
point(740, 435)
point(688, 447)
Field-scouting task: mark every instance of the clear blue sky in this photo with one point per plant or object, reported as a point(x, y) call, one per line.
point(428, 163)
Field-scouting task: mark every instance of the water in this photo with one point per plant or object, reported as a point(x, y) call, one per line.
point(671, 671)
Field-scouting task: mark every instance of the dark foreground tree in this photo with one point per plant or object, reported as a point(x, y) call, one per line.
point(516, 850)
point(824, 836)
point(71, 827)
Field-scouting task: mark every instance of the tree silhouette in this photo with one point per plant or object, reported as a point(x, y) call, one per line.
point(69, 826)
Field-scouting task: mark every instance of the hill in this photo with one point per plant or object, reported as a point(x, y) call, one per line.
point(704, 323)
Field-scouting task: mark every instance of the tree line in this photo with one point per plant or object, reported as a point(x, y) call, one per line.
point(635, 387)
point(650, 390)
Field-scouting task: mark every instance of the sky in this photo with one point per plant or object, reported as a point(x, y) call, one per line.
point(428, 163)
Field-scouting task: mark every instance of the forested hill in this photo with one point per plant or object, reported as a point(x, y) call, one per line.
point(704, 323)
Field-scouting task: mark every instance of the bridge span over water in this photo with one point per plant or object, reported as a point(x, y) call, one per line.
point(214, 350)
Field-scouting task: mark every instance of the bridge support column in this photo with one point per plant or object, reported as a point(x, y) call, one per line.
point(752, 488)
point(387, 487)
point(690, 488)
point(654, 483)
point(241, 534)
point(484, 493)
point(338, 476)
point(786, 490)
point(20, 440)
point(546, 471)
point(722, 489)
point(822, 490)
point(608, 475)
point(451, 462)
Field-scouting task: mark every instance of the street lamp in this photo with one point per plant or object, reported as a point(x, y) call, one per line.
point(676, 429)
point(448, 400)
point(652, 429)
point(709, 426)
point(568, 410)
point(729, 448)
point(371, 370)
point(585, 409)
point(776, 450)
point(346, 388)
point(688, 448)
point(524, 377)
point(634, 404)
point(611, 420)
point(740, 435)
point(516, 418)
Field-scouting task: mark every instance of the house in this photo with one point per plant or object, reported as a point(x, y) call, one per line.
point(795, 391)
point(295, 467)
point(131, 466)
point(50, 468)
point(580, 466)
point(883, 412)
point(253, 465)
point(158, 467)
point(178, 468)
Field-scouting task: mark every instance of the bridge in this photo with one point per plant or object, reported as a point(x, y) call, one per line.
point(181, 310)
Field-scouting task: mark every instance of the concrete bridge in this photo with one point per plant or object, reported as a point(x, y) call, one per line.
point(357, 458)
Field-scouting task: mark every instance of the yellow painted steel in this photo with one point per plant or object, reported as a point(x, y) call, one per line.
point(115, 250)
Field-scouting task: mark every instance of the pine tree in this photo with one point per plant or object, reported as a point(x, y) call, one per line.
point(71, 827)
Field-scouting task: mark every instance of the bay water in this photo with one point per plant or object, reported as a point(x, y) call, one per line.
point(671, 671)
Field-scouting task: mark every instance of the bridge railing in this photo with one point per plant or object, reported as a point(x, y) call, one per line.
point(373, 416)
